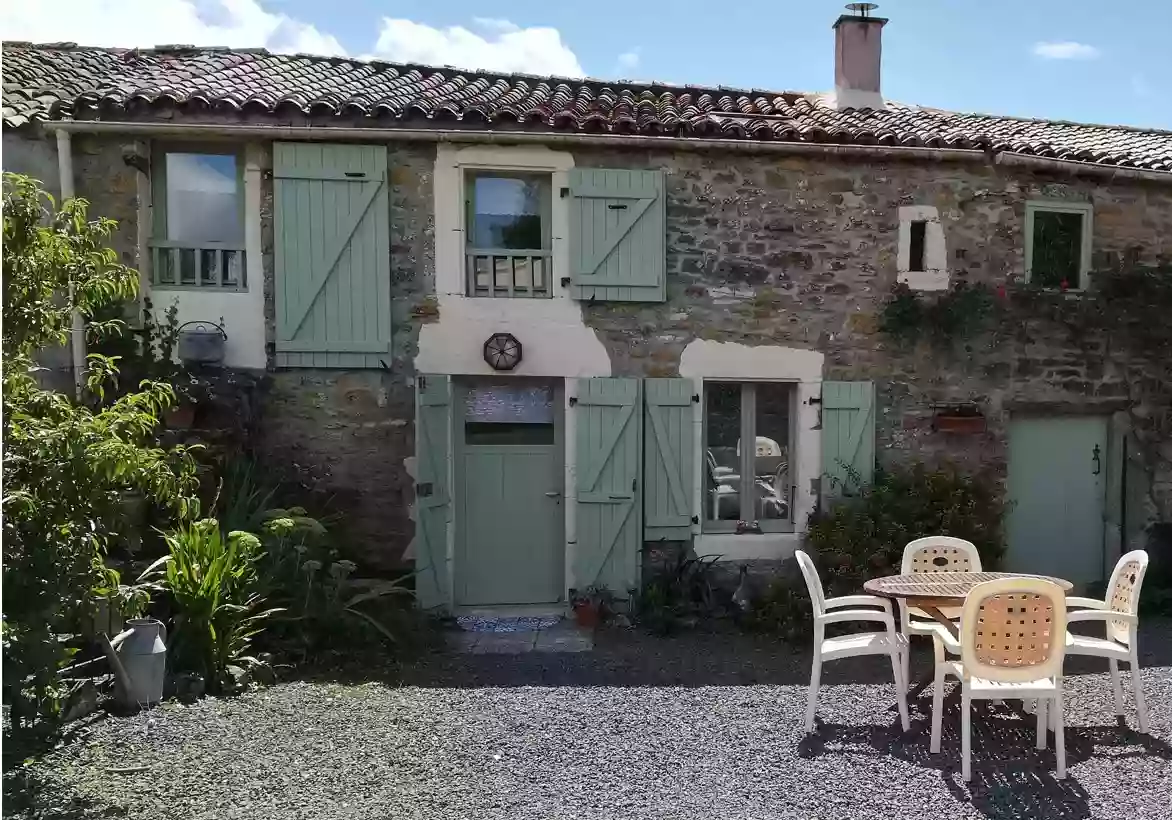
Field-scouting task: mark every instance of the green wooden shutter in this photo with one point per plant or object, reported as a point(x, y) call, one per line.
point(848, 437)
point(618, 235)
point(433, 498)
point(333, 258)
point(607, 491)
point(668, 445)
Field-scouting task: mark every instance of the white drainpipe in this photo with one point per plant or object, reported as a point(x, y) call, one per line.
point(77, 333)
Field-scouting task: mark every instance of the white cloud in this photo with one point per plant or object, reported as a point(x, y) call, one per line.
point(627, 61)
point(500, 46)
point(145, 23)
point(1066, 50)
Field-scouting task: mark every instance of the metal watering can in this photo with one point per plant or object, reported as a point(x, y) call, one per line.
point(138, 656)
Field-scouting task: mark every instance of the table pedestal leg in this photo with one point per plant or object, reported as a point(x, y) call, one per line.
point(939, 617)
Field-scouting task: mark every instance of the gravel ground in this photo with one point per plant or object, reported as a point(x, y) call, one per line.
point(700, 726)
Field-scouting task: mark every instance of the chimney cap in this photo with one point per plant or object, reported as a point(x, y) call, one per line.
point(861, 14)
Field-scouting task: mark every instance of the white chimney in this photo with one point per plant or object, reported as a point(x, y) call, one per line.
point(858, 52)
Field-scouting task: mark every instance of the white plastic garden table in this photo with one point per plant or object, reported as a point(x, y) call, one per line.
point(928, 591)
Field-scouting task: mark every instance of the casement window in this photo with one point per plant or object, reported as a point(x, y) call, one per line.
point(508, 233)
point(197, 239)
point(746, 484)
point(1058, 244)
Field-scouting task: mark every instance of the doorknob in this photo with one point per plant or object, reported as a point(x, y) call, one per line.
point(553, 494)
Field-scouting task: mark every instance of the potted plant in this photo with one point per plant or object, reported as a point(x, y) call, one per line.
point(591, 605)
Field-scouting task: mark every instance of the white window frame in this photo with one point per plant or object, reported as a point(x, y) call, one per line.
point(748, 405)
point(1086, 210)
point(505, 255)
point(159, 245)
point(451, 214)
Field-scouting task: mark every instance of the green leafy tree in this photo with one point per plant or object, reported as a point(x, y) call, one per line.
point(66, 463)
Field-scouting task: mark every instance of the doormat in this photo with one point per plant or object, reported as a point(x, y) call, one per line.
point(474, 623)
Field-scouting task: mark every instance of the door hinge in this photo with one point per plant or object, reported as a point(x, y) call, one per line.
point(634, 484)
point(573, 400)
point(421, 382)
point(815, 399)
point(424, 490)
point(565, 192)
point(695, 519)
point(695, 398)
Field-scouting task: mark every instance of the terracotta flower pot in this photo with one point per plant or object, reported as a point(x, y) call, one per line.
point(181, 417)
point(959, 424)
point(587, 614)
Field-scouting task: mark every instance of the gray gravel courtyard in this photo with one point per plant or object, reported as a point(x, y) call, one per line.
point(699, 726)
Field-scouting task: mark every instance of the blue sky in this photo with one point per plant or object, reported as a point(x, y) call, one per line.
point(1084, 60)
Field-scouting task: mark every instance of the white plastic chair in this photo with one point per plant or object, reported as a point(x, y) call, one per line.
point(934, 553)
point(1120, 614)
point(1012, 644)
point(888, 642)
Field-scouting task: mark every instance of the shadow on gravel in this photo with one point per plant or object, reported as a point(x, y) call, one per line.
point(1011, 779)
point(633, 658)
point(29, 796)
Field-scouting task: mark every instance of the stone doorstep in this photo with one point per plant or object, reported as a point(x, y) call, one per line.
point(564, 637)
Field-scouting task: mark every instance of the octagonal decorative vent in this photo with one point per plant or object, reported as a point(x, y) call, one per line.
point(502, 351)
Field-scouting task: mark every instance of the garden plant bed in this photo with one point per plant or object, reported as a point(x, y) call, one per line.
point(697, 725)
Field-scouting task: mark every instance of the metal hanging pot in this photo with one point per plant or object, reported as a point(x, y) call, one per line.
point(203, 344)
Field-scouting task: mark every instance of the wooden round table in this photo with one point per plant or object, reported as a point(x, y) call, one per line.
point(928, 591)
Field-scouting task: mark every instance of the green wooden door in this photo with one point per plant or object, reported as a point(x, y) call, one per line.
point(511, 482)
point(668, 444)
point(607, 435)
point(848, 437)
point(433, 405)
point(1057, 479)
point(618, 235)
point(332, 255)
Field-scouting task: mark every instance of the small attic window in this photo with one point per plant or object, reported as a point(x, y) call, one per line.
point(919, 232)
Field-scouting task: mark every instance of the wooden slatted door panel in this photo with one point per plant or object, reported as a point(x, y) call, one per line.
point(848, 437)
point(618, 235)
point(333, 258)
point(433, 498)
point(668, 463)
point(608, 485)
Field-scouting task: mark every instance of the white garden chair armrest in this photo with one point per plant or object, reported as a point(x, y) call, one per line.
point(858, 600)
point(857, 615)
point(942, 636)
point(1086, 603)
point(1102, 615)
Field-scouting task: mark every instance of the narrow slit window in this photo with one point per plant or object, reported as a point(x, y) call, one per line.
point(919, 231)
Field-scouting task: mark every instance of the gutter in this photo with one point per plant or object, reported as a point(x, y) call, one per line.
point(77, 326)
point(1015, 159)
point(456, 136)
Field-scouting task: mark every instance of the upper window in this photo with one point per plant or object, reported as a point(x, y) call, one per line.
point(198, 235)
point(508, 234)
point(1058, 244)
point(747, 489)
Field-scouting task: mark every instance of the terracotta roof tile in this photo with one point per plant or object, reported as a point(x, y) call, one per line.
point(63, 81)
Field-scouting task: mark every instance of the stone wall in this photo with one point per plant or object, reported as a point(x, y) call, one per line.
point(761, 250)
point(802, 252)
point(101, 177)
point(345, 433)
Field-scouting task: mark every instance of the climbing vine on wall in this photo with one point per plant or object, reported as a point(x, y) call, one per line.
point(941, 317)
